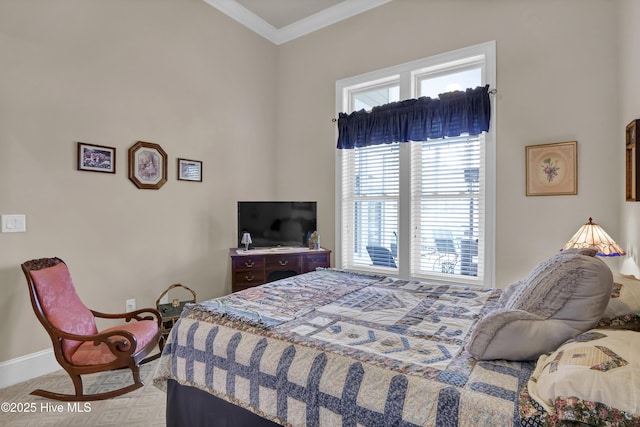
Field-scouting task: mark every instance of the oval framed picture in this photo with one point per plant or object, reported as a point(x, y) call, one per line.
point(147, 165)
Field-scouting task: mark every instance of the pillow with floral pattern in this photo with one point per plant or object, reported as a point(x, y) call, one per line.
point(591, 379)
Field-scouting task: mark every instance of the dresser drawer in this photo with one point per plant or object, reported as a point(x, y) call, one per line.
point(248, 263)
point(248, 278)
point(312, 261)
point(282, 261)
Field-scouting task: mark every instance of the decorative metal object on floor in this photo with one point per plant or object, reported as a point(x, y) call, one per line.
point(170, 312)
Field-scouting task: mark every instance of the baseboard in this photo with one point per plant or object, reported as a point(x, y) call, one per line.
point(26, 367)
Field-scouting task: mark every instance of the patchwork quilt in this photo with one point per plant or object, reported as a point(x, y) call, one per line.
point(331, 348)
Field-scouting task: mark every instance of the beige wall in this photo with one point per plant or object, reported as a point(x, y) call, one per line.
point(179, 73)
point(629, 88)
point(174, 72)
point(556, 73)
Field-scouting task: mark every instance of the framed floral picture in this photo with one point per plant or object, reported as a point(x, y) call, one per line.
point(147, 165)
point(189, 170)
point(96, 158)
point(552, 169)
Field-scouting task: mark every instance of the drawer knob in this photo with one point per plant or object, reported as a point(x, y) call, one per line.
point(249, 278)
point(248, 264)
point(283, 262)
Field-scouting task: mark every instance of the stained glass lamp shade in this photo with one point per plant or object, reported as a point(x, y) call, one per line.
point(591, 235)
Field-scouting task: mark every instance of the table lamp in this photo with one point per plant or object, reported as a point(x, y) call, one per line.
point(246, 241)
point(591, 235)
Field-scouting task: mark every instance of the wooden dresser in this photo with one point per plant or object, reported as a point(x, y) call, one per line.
point(258, 266)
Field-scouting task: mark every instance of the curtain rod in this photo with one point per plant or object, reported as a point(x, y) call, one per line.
point(491, 92)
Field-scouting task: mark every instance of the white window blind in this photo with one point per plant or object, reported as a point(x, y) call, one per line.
point(370, 206)
point(447, 211)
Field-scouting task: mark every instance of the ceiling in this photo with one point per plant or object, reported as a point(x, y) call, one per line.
point(281, 21)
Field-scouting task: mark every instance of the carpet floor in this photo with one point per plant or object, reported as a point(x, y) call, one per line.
point(142, 407)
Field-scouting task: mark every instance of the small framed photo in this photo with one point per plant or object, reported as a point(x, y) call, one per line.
point(147, 165)
point(189, 170)
point(552, 169)
point(96, 158)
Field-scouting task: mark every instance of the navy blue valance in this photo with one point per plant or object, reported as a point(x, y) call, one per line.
point(451, 114)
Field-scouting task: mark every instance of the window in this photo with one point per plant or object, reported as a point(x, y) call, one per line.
point(421, 209)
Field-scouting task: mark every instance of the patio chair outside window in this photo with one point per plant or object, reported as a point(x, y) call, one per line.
point(381, 256)
point(447, 254)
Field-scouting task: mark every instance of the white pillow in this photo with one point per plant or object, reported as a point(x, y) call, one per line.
point(562, 297)
point(624, 305)
point(594, 378)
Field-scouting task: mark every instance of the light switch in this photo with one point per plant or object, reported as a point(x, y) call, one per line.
point(14, 223)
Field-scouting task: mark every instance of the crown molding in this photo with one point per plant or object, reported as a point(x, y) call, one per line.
point(329, 16)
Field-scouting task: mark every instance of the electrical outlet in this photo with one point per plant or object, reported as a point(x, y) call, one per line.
point(130, 305)
point(14, 223)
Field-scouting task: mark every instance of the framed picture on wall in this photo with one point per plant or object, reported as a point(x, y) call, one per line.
point(189, 170)
point(632, 142)
point(147, 165)
point(552, 169)
point(96, 158)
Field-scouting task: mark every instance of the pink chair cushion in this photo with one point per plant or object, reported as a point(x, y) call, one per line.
point(62, 306)
point(89, 354)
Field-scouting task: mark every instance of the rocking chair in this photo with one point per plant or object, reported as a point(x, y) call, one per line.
point(78, 346)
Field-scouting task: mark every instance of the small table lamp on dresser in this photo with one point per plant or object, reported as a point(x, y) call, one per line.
point(246, 241)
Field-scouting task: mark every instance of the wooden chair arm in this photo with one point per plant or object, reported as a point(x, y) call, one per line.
point(136, 314)
point(125, 343)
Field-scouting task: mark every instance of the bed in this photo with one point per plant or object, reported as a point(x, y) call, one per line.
point(331, 348)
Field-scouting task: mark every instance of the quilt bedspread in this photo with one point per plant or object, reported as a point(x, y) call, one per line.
point(377, 352)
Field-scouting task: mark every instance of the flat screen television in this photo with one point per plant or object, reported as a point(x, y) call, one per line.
point(273, 224)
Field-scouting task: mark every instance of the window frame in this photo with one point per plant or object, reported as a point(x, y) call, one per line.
point(408, 77)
